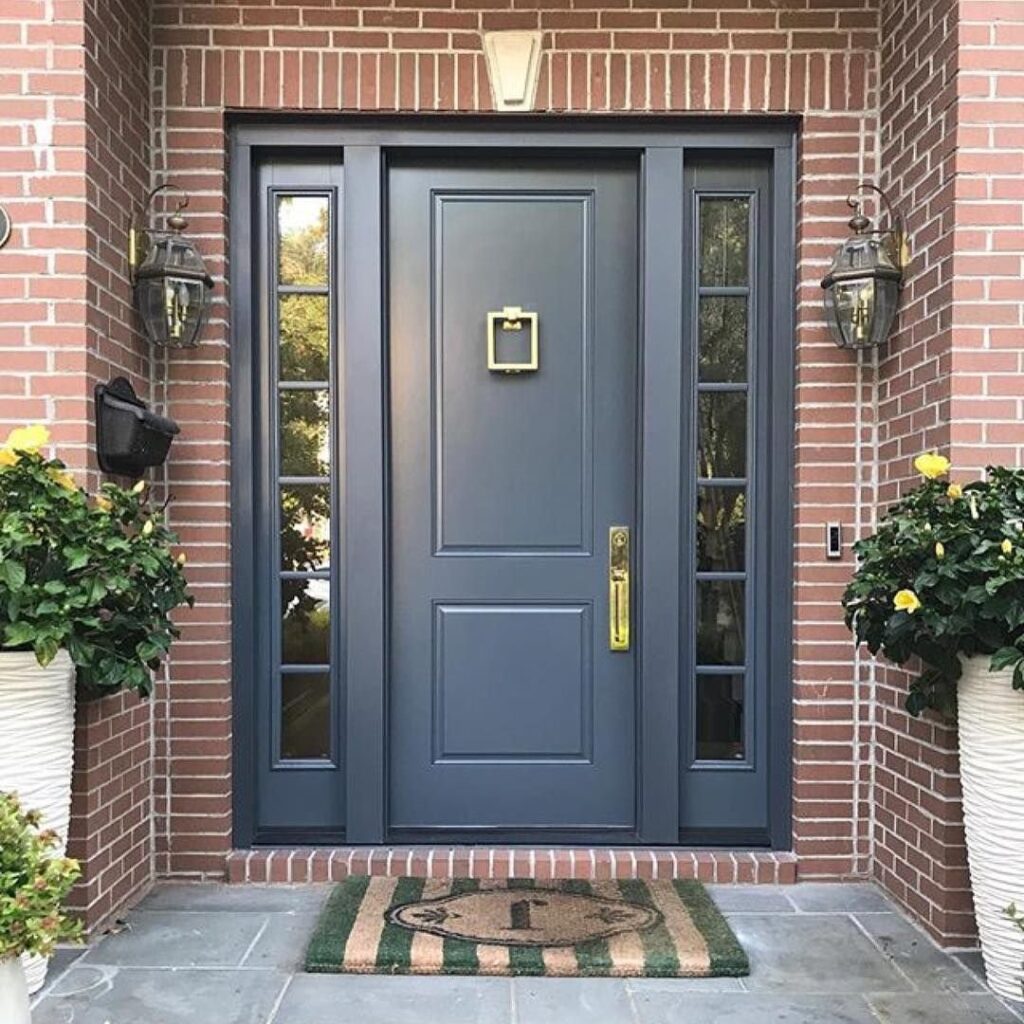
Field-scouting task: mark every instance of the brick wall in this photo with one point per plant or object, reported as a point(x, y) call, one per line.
point(74, 158)
point(750, 56)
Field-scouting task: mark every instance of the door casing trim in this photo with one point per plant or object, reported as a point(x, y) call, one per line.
point(364, 141)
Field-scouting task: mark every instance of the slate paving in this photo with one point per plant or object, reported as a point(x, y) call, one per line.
point(821, 954)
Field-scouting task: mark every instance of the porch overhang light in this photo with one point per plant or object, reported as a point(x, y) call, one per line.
point(863, 284)
point(171, 283)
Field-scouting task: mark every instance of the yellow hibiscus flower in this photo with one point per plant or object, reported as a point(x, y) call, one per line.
point(7, 457)
point(931, 465)
point(906, 601)
point(182, 559)
point(147, 528)
point(940, 550)
point(1007, 547)
point(103, 503)
point(954, 491)
point(28, 439)
point(139, 487)
point(66, 480)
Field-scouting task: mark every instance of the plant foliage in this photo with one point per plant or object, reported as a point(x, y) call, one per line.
point(943, 578)
point(33, 884)
point(97, 577)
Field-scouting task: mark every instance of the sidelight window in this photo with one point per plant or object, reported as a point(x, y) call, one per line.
point(723, 315)
point(301, 318)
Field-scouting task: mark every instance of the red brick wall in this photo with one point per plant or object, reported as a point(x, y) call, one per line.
point(952, 134)
point(755, 55)
point(74, 158)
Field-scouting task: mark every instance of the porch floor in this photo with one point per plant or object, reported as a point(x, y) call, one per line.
point(821, 954)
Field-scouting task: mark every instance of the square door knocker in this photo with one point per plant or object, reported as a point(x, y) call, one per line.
point(512, 319)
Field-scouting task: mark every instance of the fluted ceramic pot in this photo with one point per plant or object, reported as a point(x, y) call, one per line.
point(991, 719)
point(13, 993)
point(37, 728)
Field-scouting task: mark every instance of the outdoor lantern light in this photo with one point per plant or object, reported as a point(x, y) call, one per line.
point(172, 285)
point(863, 284)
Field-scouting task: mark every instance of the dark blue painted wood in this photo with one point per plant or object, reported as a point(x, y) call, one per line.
point(507, 708)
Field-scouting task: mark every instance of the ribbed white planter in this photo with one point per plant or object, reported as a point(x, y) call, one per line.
point(13, 993)
point(37, 729)
point(991, 717)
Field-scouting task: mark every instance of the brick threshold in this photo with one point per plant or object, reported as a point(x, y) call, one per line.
point(304, 864)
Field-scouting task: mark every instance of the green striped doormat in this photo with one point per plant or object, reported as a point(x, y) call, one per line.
point(630, 928)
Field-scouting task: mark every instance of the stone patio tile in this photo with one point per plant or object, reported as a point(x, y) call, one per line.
point(758, 899)
point(282, 946)
point(571, 1001)
point(180, 939)
point(821, 953)
point(940, 1008)
point(972, 960)
point(687, 985)
point(917, 956)
point(389, 999)
point(95, 995)
point(838, 897)
point(659, 1007)
point(254, 899)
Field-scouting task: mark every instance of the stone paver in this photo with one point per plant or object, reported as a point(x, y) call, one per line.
point(821, 954)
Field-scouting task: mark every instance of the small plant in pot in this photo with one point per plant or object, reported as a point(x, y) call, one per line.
point(940, 586)
point(87, 588)
point(34, 882)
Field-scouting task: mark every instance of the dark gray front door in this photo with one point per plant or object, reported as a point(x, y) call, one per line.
point(508, 710)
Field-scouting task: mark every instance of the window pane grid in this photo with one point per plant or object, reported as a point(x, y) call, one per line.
point(721, 320)
point(303, 317)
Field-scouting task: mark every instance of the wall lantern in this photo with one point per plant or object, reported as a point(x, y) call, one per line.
point(172, 285)
point(863, 284)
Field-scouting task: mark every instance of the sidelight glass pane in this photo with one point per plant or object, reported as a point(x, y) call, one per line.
point(305, 419)
point(302, 223)
point(722, 434)
point(722, 350)
point(724, 241)
point(303, 337)
point(721, 529)
point(305, 632)
point(720, 717)
point(305, 527)
point(305, 715)
point(721, 622)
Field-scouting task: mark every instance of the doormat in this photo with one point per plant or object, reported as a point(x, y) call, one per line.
point(629, 928)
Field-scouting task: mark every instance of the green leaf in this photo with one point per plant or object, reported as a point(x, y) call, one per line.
point(77, 557)
point(17, 634)
point(1005, 657)
point(46, 650)
point(12, 573)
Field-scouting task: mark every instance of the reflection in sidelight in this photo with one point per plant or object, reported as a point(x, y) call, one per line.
point(304, 337)
point(305, 419)
point(721, 622)
point(720, 717)
point(305, 715)
point(721, 529)
point(302, 228)
point(303, 317)
point(724, 241)
point(305, 633)
point(722, 339)
point(722, 434)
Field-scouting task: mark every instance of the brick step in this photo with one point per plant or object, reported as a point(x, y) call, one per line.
point(291, 864)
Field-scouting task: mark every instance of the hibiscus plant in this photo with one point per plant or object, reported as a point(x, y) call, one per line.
point(942, 578)
point(96, 576)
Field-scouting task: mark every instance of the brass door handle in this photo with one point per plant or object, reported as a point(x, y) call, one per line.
point(618, 588)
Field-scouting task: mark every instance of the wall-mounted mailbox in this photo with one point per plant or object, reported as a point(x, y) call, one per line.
point(129, 438)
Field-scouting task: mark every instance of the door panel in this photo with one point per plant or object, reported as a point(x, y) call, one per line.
point(508, 711)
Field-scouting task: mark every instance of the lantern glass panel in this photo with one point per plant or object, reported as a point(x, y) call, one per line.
point(850, 309)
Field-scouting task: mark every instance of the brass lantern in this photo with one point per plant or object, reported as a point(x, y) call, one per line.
point(863, 284)
point(171, 282)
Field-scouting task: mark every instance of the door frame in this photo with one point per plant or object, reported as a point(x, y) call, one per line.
point(363, 144)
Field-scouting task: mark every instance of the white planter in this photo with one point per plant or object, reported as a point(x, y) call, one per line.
point(37, 729)
point(991, 718)
point(13, 993)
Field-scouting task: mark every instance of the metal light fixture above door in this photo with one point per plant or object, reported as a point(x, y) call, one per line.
point(863, 284)
point(171, 282)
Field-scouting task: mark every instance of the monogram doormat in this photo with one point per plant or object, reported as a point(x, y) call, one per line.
point(664, 929)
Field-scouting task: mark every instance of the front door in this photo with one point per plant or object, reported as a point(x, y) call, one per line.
point(513, 346)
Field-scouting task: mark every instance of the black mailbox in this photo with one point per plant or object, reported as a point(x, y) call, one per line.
point(129, 438)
